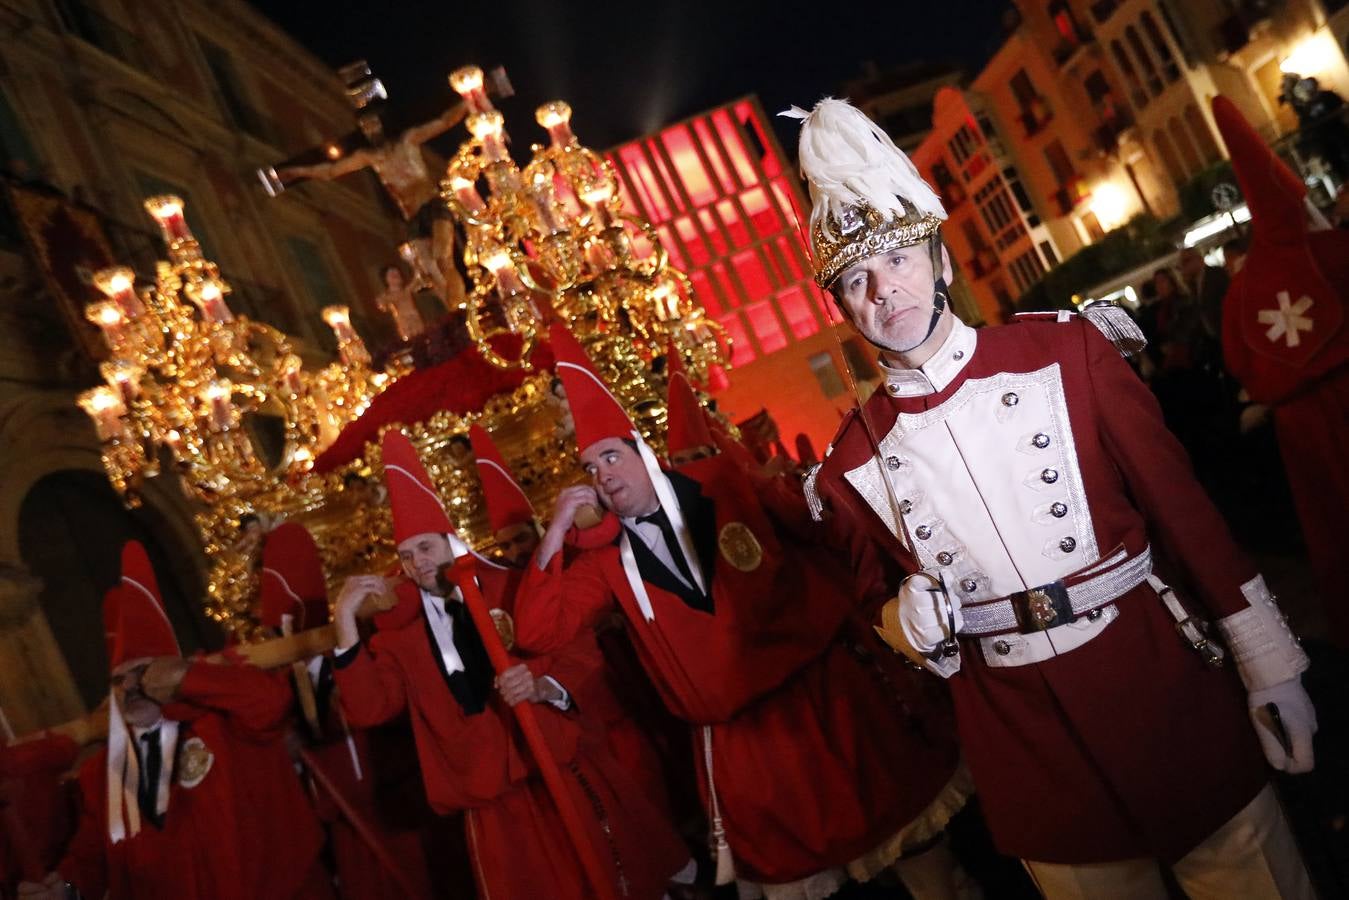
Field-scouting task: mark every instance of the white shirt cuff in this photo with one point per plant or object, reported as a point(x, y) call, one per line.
point(564, 702)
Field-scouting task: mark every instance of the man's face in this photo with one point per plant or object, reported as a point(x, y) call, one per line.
point(619, 477)
point(138, 710)
point(888, 297)
point(422, 555)
point(517, 543)
point(691, 454)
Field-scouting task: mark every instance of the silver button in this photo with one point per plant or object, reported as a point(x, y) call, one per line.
point(1058, 510)
point(922, 532)
point(892, 463)
point(959, 354)
point(944, 558)
point(905, 507)
point(1001, 647)
point(1010, 399)
point(1041, 440)
point(1068, 545)
point(1049, 476)
point(1093, 614)
point(969, 585)
point(893, 389)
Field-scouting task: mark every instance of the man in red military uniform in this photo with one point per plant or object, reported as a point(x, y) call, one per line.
point(433, 664)
point(1024, 475)
point(195, 796)
point(808, 764)
point(373, 859)
point(1286, 340)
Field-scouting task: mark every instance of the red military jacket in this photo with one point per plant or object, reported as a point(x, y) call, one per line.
point(244, 830)
point(479, 763)
point(1018, 455)
point(815, 758)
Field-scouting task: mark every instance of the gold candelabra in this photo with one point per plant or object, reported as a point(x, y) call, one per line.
point(185, 374)
point(553, 240)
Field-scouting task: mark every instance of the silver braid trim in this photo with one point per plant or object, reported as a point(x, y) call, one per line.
point(812, 492)
point(1263, 646)
point(1118, 326)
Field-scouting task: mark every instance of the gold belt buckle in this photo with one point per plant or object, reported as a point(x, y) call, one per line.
point(1041, 608)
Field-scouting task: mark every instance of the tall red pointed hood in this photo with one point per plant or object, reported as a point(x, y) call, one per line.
point(594, 409)
point(686, 421)
point(134, 619)
point(507, 503)
point(416, 504)
point(292, 579)
point(1274, 193)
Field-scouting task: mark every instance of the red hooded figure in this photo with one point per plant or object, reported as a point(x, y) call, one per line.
point(1285, 340)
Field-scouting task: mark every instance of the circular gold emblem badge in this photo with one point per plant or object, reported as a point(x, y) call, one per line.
point(194, 761)
point(740, 547)
point(505, 626)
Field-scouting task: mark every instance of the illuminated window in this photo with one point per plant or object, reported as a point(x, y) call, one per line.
point(742, 354)
point(764, 320)
point(796, 310)
point(692, 175)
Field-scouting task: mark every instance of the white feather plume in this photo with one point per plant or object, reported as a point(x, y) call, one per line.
point(848, 161)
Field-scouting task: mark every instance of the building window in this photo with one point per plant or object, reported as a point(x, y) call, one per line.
point(232, 93)
point(1182, 142)
point(1169, 67)
point(1169, 159)
point(1047, 251)
point(1034, 110)
point(1203, 136)
point(1126, 67)
point(97, 30)
point(826, 373)
point(1141, 54)
point(1092, 226)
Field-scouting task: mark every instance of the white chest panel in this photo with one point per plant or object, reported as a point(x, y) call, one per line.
point(988, 487)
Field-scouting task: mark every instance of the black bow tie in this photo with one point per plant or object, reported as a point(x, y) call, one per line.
point(656, 518)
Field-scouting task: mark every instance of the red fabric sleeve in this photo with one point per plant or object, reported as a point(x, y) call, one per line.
point(255, 702)
point(576, 666)
point(370, 687)
point(1158, 475)
point(85, 864)
point(51, 753)
point(553, 606)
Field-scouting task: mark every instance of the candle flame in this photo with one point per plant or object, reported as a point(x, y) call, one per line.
point(466, 80)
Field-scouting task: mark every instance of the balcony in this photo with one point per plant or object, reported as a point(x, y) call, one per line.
point(1237, 30)
point(1035, 116)
point(1067, 197)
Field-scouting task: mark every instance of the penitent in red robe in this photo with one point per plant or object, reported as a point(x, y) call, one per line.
point(818, 757)
point(478, 763)
point(245, 831)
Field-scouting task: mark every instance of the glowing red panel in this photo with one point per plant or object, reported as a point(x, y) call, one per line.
point(669, 182)
point(787, 202)
point(761, 212)
point(693, 241)
point(703, 292)
point(709, 148)
point(667, 240)
point(753, 277)
point(791, 257)
point(764, 320)
point(697, 185)
point(796, 310)
point(735, 226)
point(742, 354)
point(645, 179)
point(730, 138)
point(728, 290)
point(768, 161)
point(713, 233)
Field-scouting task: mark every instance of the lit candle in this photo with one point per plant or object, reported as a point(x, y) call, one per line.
point(467, 83)
point(556, 117)
point(167, 210)
point(209, 295)
point(123, 375)
point(486, 127)
point(597, 198)
point(501, 267)
point(467, 194)
point(106, 409)
point(117, 284)
point(218, 406)
point(339, 320)
point(108, 316)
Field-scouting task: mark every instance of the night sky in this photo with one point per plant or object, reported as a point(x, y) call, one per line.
point(627, 68)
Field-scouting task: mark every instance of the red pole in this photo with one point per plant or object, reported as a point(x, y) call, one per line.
point(461, 573)
point(362, 827)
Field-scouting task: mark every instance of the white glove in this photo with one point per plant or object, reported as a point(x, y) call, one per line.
point(915, 622)
point(1296, 723)
point(923, 613)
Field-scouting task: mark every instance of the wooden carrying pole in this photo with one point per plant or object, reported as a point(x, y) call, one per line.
point(461, 574)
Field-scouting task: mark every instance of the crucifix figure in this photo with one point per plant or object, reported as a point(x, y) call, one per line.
point(401, 168)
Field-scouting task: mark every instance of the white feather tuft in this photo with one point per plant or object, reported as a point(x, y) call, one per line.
point(848, 161)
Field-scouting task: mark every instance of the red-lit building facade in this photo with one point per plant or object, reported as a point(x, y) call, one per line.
point(730, 212)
